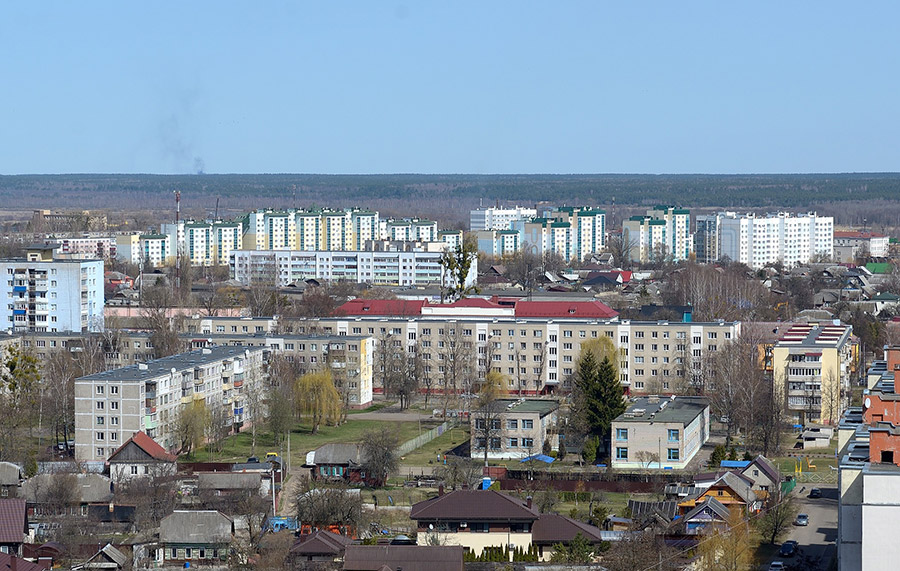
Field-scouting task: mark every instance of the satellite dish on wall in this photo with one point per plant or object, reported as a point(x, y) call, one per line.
point(868, 402)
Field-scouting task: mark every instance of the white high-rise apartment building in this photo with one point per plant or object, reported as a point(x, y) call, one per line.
point(664, 231)
point(389, 268)
point(43, 294)
point(498, 218)
point(760, 240)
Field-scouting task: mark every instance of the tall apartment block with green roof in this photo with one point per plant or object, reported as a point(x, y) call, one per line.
point(572, 232)
point(664, 232)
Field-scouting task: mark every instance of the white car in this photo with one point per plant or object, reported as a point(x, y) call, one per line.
point(776, 565)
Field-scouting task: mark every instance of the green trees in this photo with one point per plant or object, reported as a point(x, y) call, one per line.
point(579, 551)
point(456, 264)
point(19, 392)
point(598, 396)
point(318, 399)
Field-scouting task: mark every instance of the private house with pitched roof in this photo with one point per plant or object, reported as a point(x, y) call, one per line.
point(764, 475)
point(13, 563)
point(13, 525)
point(321, 545)
point(552, 529)
point(10, 479)
point(729, 489)
point(404, 557)
point(337, 461)
point(706, 516)
point(476, 519)
point(108, 557)
point(194, 538)
point(140, 457)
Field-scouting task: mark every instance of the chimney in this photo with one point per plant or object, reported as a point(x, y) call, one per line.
point(528, 502)
point(13, 562)
point(441, 490)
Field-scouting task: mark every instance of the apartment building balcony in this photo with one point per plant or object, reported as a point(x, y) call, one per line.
point(199, 396)
point(186, 399)
point(149, 424)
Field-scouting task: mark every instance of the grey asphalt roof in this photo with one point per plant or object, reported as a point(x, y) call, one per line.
point(680, 410)
point(195, 527)
point(713, 504)
point(91, 488)
point(229, 480)
point(339, 453)
point(180, 362)
point(10, 474)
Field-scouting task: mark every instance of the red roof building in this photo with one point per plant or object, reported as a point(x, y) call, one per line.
point(140, 456)
point(478, 306)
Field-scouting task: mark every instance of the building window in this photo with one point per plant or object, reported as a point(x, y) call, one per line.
point(134, 470)
point(621, 453)
point(527, 424)
point(100, 420)
point(100, 405)
point(528, 443)
point(512, 424)
point(674, 454)
point(622, 434)
point(673, 435)
point(513, 442)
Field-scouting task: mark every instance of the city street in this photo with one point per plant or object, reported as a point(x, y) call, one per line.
point(817, 540)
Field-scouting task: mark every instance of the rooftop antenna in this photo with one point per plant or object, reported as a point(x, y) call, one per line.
point(216, 216)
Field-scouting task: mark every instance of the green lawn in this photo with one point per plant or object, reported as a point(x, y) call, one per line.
point(239, 446)
point(427, 454)
point(788, 465)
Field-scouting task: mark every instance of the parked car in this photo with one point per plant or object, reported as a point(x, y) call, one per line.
point(815, 493)
point(788, 548)
point(802, 519)
point(776, 565)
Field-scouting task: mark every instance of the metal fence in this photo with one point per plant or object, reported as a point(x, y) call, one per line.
point(425, 437)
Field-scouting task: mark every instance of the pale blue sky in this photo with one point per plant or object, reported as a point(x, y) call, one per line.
point(449, 87)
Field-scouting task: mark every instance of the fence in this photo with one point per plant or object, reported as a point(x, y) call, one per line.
point(425, 438)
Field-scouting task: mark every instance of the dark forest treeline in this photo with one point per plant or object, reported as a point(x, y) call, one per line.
point(439, 194)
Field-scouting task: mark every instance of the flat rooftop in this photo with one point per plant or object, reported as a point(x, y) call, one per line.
point(541, 406)
point(680, 410)
point(810, 336)
point(180, 362)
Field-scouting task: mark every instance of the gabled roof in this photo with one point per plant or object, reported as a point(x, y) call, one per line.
point(12, 520)
point(738, 485)
point(480, 505)
point(195, 527)
point(107, 554)
point(406, 557)
point(21, 564)
point(338, 453)
point(229, 481)
point(89, 488)
point(148, 445)
point(10, 474)
point(666, 509)
point(321, 542)
point(388, 307)
point(551, 528)
point(577, 309)
point(714, 505)
point(766, 466)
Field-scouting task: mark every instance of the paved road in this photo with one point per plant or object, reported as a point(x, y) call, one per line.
point(817, 540)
